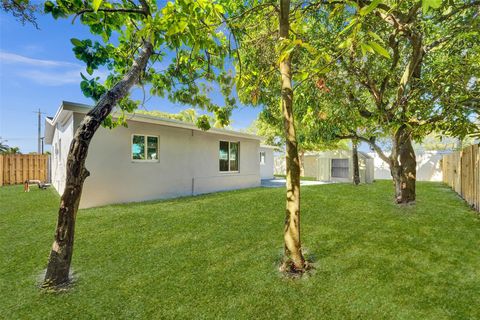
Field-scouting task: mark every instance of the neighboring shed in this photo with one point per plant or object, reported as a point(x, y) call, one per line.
point(337, 166)
point(266, 161)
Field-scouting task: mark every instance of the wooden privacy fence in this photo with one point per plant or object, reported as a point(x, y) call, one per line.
point(461, 171)
point(15, 169)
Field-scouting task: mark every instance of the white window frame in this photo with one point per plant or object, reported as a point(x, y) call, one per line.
point(264, 158)
point(146, 148)
point(229, 171)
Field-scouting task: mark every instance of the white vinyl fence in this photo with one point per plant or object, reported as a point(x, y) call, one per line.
point(429, 165)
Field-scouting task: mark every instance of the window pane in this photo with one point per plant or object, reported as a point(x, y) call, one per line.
point(234, 155)
point(262, 157)
point(138, 148)
point(223, 156)
point(339, 168)
point(152, 148)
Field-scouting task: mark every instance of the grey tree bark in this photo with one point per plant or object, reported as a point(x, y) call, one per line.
point(356, 169)
point(403, 167)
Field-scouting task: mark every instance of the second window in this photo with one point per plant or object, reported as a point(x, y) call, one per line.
point(229, 156)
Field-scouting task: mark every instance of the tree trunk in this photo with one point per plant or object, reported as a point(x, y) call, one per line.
point(356, 170)
point(301, 157)
point(58, 267)
point(403, 167)
point(293, 251)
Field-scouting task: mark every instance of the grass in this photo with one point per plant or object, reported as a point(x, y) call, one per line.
point(282, 176)
point(215, 256)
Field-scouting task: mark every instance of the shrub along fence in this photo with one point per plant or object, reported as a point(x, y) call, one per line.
point(461, 171)
point(15, 169)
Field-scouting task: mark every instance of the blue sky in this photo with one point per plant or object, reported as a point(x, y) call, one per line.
point(38, 70)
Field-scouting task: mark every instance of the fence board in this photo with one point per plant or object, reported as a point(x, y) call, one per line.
point(15, 169)
point(461, 171)
point(24, 168)
point(18, 168)
point(11, 167)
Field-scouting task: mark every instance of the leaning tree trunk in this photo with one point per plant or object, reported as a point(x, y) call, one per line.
point(58, 267)
point(356, 170)
point(293, 251)
point(403, 167)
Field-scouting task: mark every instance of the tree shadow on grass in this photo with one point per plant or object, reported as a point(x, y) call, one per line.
point(65, 287)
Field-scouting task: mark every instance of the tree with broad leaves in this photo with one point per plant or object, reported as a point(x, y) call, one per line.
point(293, 253)
point(275, 62)
point(400, 70)
point(138, 39)
point(259, 28)
point(425, 78)
point(188, 115)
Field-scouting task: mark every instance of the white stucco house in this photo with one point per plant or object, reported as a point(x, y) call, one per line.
point(266, 162)
point(155, 158)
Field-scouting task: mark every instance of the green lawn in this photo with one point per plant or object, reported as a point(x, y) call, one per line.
point(216, 256)
point(282, 176)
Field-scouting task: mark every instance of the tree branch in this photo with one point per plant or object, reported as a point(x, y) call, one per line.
point(145, 7)
point(371, 142)
point(395, 59)
point(436, 43)
point(248, 11)
point(236, 45)
point(122, 10)
point(458, 10)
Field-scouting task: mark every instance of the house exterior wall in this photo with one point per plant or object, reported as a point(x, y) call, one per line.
point(188, 165)
point(266, 169)
point(63, 135)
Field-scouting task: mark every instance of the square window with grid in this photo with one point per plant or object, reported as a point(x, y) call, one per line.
point(340, 168)
point(144, 148)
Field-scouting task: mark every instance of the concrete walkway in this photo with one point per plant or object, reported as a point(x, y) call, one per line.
point(277, 183)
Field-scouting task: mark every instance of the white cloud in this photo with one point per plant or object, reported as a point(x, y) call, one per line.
point(45, 72)
point(51, 77)
point(33, 49)
point(12, 58)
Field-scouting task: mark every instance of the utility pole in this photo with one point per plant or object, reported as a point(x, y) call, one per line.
point(39, 131)
point(39, 142)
